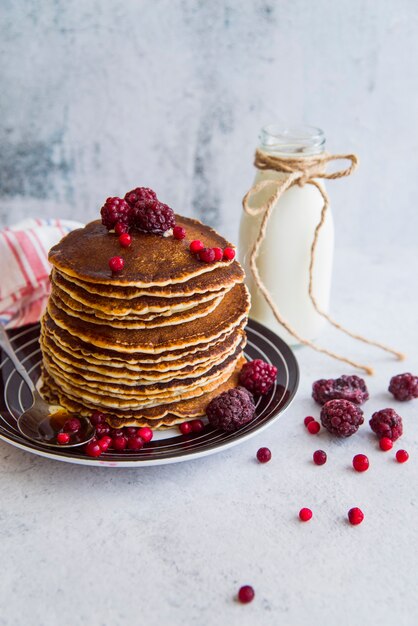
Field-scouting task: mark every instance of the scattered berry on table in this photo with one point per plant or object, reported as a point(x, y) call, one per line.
point(308, 419)
point(229, 254)
point(152, 216)
point(351, 388)
point(305, 515)
point(385, 444)
point(125, 240)
point(139, 194)
point(218, 254)
point(404, 386)
point(63, 438)
point(179, 232)
point(93, 449)
point(246, 594)
point(313, 427)
point(341, 417)
point(115, 210)
point(360, 463)
point(116, 263)
point(119, 443)
point(355, 516)
point(387, 423)
point(185, 428)
point(146, 434)
point(231, 409)
point(264, 455)
point(207, 255)
point(72, 425)
point(196, 246)
point(197, 426)
point(258, 376)
point(402, 456)
point(319, 457)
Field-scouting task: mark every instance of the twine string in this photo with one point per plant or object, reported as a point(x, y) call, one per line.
point(301, 171)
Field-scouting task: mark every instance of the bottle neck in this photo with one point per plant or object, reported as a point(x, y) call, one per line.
point(293, 142)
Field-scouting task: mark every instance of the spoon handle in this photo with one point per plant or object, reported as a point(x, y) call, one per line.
point(7, 347)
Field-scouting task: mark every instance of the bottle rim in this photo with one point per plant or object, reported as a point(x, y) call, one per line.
point(300, 139)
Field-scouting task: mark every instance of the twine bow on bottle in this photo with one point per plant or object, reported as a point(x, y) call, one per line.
point(301, 171)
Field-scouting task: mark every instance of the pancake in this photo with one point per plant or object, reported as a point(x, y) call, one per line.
point(72, 255)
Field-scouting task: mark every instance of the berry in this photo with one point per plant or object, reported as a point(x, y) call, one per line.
point(125, 240)
point(387, 423)
point(404, 386)
point(402, 456)
point(130, 431)
point(355, 516)
point(305, 515)
point(121, 228)
point(97, 418)
point(264, 455)
point(207, 255)
point(218, 254)
point(308, 419)
point(360, 463)
point(115, 210)
point(352, 388)
point(319, 457)
point(139, 194)
point(104, 442)
point(63, 438)
point(146, 434)
point(341, 417)
point(246, 594)
point(197, 426)
point(385, 444)
point(258, 376)
point(116, 432)
point(152, 216)
point(313, 427)
point(135, 443)
point(196, 246)
point(116, 263)
point(119, 443)
point(185, 428)
point(93, 449)
point(102, 429)
point(229, 254)
point(72, 425)
point(179, 232)
point(231, 409)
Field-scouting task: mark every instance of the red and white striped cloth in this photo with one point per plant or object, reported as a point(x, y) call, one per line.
point(24, 268)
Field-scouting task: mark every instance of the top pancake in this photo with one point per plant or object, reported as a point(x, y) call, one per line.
point(150, 260)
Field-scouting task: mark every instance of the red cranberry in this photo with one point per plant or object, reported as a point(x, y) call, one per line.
point(207, 255)
point(97, 418)
point(179, 232)
point(218, 254)
point(314, 427)
point(229, 254)
point(246, 594)
point(102, 429)
point(119, 443)
point(130, 431)
point(402, 456)
point(93, 449)
point(116, 432)
point(305, 515)
point(185, 428)
point(135, 443)
point(319, 457)
point(146, 434)
point(197, 426)
point(72, 425)
point(196, 246)
point(355, 516)
point(63, 438)
point(121, 228)
point(264, 455)
point(104, 442)
point(116, 263)
point(125, 240)
point(360, 463)
point(385, 444)
point(308, 420)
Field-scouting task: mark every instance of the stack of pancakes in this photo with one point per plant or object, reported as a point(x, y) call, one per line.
point(150, 345)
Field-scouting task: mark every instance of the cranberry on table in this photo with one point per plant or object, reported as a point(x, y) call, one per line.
point(264, 455)
point(229, 254)
point(145, 433)
point(387, 423)
point(305, 514)
point(360, 463)
point(404, 386)
point(196, 246)
point(355, 516)
point(93, 449)
point(313, 427)
point(246, 594)
point(125, 240)
point(72, 425)
point(319, 457)
point(63, 438)
point(179, 232)
point(116, 263)
point(385, 444)
point(308, 419)
point(402, 456)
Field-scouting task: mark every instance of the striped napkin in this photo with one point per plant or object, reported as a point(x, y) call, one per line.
point(24, 268)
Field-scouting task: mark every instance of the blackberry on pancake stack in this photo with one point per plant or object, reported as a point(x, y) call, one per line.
point(152, 343)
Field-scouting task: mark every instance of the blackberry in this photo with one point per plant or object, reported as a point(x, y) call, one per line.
point(113, 211)
point(139, 194)
point(387, 423)
point(351, 388)
point(152, 216)
point(341, 417)
point(231, 409)
point(404, 386)
point(258, 376)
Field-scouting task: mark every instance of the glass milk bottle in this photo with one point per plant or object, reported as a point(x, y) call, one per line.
point(284, 256)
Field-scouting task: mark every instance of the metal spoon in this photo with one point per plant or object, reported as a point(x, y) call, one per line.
point(38, 423)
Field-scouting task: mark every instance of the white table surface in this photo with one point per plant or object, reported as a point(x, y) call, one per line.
point(172, 544)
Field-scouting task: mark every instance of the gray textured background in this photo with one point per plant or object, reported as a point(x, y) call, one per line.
point(98, 97)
